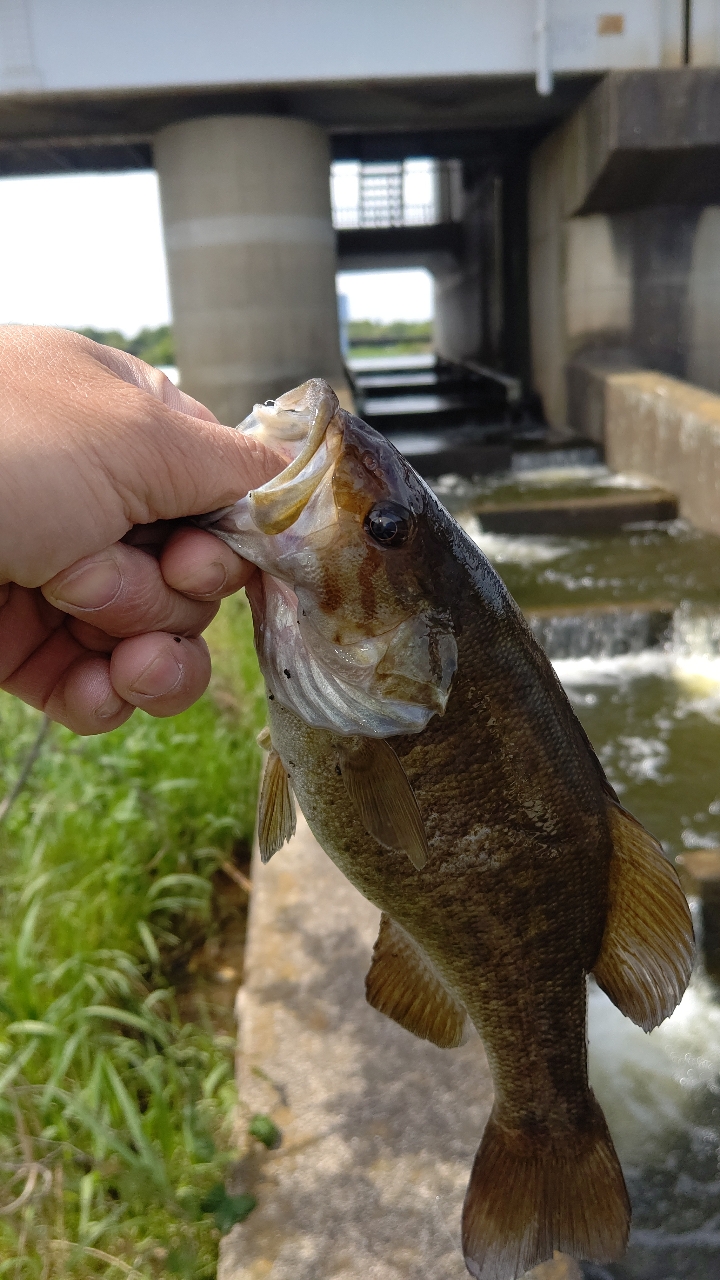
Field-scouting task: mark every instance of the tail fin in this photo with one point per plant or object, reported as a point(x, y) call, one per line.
point(533, 1192)
point(648, 946)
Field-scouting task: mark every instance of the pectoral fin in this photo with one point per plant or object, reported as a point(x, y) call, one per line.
point(401, 984)
point(379, 789)
point(648, 946)
point(276, 812)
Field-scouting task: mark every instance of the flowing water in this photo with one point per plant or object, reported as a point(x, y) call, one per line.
point(636, 643)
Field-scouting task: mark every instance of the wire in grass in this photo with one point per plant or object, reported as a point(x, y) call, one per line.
point(32, 755)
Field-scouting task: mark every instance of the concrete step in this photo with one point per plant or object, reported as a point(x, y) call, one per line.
point(465, 451)
point(579, 516)
point(379, 1128)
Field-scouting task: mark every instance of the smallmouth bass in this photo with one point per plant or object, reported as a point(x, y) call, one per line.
point(439, 764)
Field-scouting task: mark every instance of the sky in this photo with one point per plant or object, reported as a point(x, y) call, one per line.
point(86, 249)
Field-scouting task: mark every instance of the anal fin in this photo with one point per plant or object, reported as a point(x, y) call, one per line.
point(381, 793)
point(401, 984)
point(276, 811)
point(648, 946)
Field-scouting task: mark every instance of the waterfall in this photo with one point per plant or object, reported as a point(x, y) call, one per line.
point(601, 632)
point(605, 643)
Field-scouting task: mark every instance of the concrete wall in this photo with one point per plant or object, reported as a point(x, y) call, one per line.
point(468, 293)
point(613, 265)
point(657, 427)
point(646, 282)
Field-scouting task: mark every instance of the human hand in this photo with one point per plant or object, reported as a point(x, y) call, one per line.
point(94, 444)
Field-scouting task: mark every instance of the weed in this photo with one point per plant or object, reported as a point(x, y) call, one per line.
point(114, 1112)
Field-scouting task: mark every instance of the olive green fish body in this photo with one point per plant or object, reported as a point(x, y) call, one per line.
point(511, 906)
point(439, 764)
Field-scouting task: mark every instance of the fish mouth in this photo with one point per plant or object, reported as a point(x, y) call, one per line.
point(341, 641)
point(297, 423)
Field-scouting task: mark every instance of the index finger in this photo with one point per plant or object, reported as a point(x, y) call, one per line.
point(200, 565)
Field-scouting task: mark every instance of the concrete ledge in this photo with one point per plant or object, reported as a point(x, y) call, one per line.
point(654, 426)
point(580, 517)
point(379, 1129)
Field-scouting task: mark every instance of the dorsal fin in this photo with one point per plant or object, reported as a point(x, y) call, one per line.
point(276, 811)
point(648, 947)
point(381, 793)
point(401, 984)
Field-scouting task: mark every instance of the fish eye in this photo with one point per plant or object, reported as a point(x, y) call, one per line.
point(389, 524)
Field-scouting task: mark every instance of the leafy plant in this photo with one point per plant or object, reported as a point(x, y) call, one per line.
point(114, 1111)
point(266, 1131)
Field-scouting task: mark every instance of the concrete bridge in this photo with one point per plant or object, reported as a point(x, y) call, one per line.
point(577, 140)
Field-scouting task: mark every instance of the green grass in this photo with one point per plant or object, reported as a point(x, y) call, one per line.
point(114, 1112)
point(367, 332)
point(360, 352)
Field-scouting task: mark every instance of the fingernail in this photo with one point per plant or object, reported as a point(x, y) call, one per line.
point(92, 586)
point(159, 677)
point(110, 707)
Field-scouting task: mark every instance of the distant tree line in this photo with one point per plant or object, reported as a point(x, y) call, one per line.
point(156, 346)
point(370, 333)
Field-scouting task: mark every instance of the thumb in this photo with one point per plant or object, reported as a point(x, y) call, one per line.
point(182, 461)
point(151, 379)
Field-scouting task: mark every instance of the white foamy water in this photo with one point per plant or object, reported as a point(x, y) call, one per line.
point(511, 548)
point(697, 674)
point(646, 1084)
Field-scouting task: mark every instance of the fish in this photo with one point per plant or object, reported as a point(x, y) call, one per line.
point(439, 764)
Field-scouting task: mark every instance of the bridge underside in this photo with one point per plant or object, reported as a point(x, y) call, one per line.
point(379, 120)
point(589, 217)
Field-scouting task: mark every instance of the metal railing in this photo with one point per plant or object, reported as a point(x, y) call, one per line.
point(408, 193)
point(350, 217)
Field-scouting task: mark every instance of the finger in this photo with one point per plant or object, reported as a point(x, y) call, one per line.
point(90, 637)
point(26, 621)
point(200, 565)
point(122, 591)
point(161, 673)
point(148, 378)
point(70, 685)
point(85, 700)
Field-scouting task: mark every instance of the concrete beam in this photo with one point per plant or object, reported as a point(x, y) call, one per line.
point(642, 138)
point(369, 248)
point(579, 516)
point(482, 117)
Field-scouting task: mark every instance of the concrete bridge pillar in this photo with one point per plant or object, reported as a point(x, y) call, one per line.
point(251, 258)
